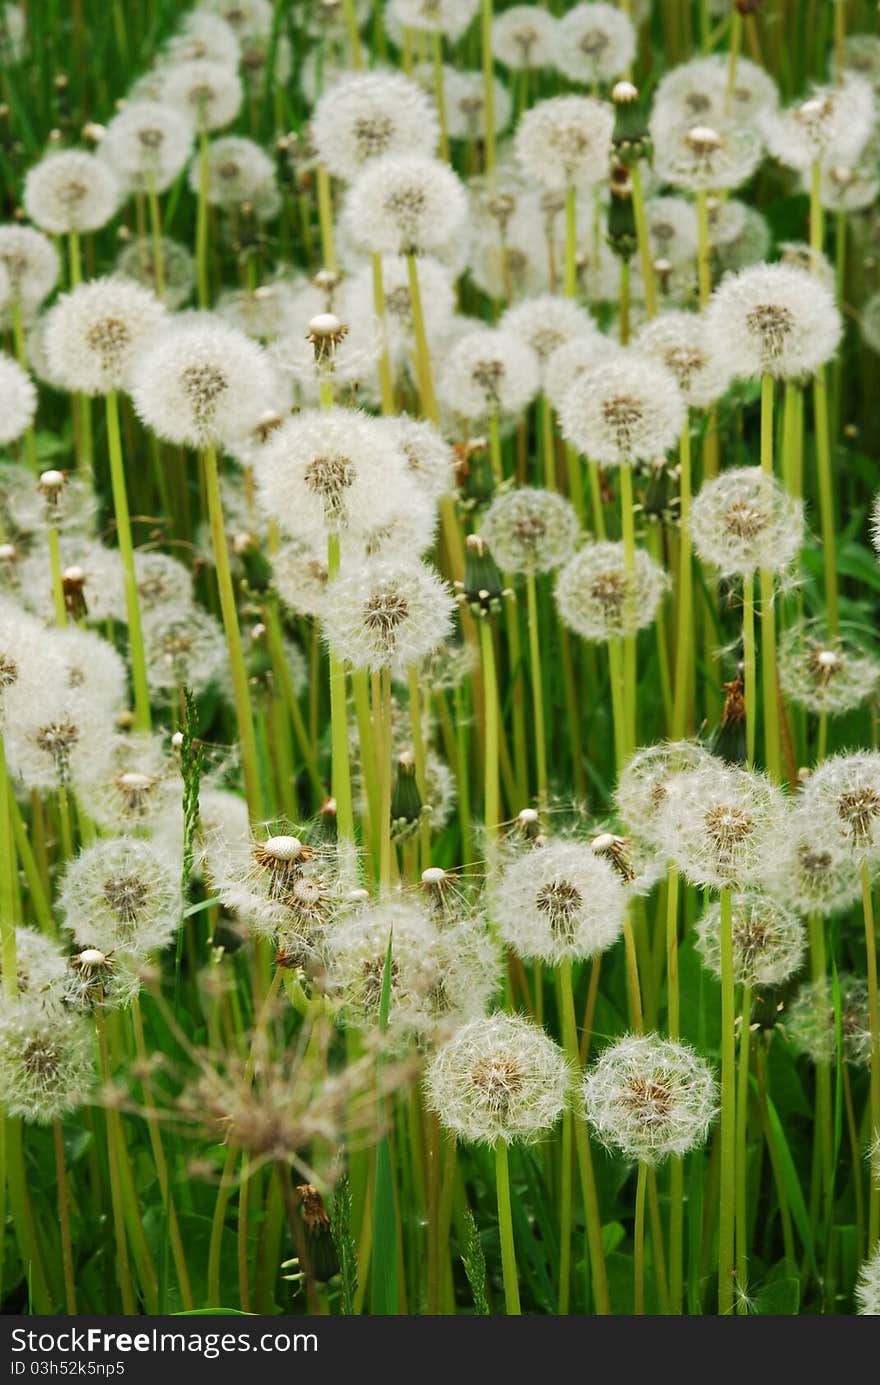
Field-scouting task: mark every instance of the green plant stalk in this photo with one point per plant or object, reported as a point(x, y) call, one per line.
point(156, 237)
point(576, 484)
point(826, 498)
point(639, 1241)
point(340, 779)
point(382, 737)
point(548, 449)
point(596, 505)
point(8, 879)
point(23, 1218)
point(624, 302)
point(423, 355)
point(415, 715)
point(736, 26)
point(488, 85)
point(537, 687)
point(386, 385)
point(823, 1137)
point(874, 1018)
point(704, 264)
point(772, 753)
point(495, 447)
point(491, 794)
point(570, 272)
point(726, 1212)
point(64, 1218)
point(281, 674)
point(505, 1229)
point(742, 1120)
point(566, 1191)
point(325, 217)
point(628, 529)
point(30, 440)
point(369, 764)
point(202, 221)
point(618, 708)
point(440, 94)
point(684, 626)
point(241, 691)
point(114, 1159)
point(129, 578)
point(646, 260)
point(601, 1298)
point(57, 582)
point(750, 682)
point(354, 38)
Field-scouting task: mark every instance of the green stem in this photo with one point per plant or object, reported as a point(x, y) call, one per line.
point(684, 627)
point(386, 386)
point(64, 1218)
point(639, 1241)
point(826, 497)
point(704, 264)
point(570, 275)
point(423, 355)
point(628, 529)
point(241, 691)
point(874, 1019)
point(748, 641)
point(341, 770)
point(156, 236)
point(728, 1112)
point(491, 796)
point(202, 221)
point(537, 687)
point(126, 553)
point(644, 240)
point(742, 1117)
point(440, 94)
point(505, 1229)
point(488, 85)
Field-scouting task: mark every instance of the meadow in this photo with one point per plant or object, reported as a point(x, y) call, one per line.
point(439, 675)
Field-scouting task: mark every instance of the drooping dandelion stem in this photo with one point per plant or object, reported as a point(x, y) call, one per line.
point(126, 554)
point(727, 1192)
point(505, 1231)
point(241, 691)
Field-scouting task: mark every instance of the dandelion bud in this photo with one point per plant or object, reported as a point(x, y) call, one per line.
point(562, 902)
point(324, 335)
point(46, 1062)
point(528, 821)
point(649, 1098)
point(482, 587)
point(406, 801)
point(621, 218)
point(498, 1078)
point(630, 141)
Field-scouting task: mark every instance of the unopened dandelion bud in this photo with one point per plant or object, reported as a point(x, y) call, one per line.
point(621, 218)
point(483, 587)
point(630, 140)
point(406, 801)
point(324, 335)
point(528, 822)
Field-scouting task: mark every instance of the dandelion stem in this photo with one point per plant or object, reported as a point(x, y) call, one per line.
point(491, 801)
point(728, 1112)
point(202, 221)
point(156, 235)
point(644, 240)
point(826, 497)
point(505, 1229)
point(241, 692)
point(64, 1218)
point(772, 753)
point(684, 628)
point(704, 267)
point(386, 386)
point(639, 1241)
point(874, 1019)
point(440, 95)
point(570, 275)
point(488, 86)
point(114, 1159)
point(126, 553)
point(58, 601)
point(742, 1116)
point(627, 523)
point(748, 643)
point(340, 779)
point(537, 687)
point(423, 355)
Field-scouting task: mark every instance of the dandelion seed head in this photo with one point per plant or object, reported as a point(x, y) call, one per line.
point(121, 892)
point(697, 92)
point(18, 400)
point(594, 44)
point(92, 669)
point(811, 1021)
point(488, 370)
point(867, 1287)
point(39, 967)
point(681, 342)
point(546, 323)
point(650, 1097)
point(698, 156)
point(769, 942)
point(238, 171)
point(498, 1078)
point(203, 35)
point(600, 599)
point(137, 261)
point(147, 144)
point(841, 802)
point(523, 37)
point(672, 228)
point(831, 127)
point(206, 91)
point(569, 363)
point(372, 115)
point(625, 411)
point(96, 333)
point(745, 520)
point(71, 191)
point(46, 1062)
point(383, 613)
point(91, 576)
point(720, 825)
point(775, 319)
point(823, 672)
point(437, 293)
point(184, 646)
point(560, 901)
point(652, 777)
point(403, 204)
point(31, 263)
point(355, 950)
point(565, 141)
point(447, 17)
point(530, 530)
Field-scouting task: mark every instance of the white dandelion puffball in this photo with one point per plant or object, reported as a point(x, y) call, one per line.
point(256, 50)
point(147, 144)
point(488, 370)
point(594, 44)
point(88, 568)
point(810, 876)
point(137, 261)
point(867, 1289)
point(672, 229)
point(701, 157)
point(697, 92)
point(184, 646)
point(523, 37)
point(831, 127)
point(92, 668)
point(243, 16)
point(71, 191)
point(202, 382)
point(721, 825)
point(769, 942)
point(437, 292)
point(94, 334)
point(56, 737)
point(824, 672)
point(558, 901)
point(203, 35)
point(206, 91)
point(650, 1097)
point(27, 660)
point(498, 1078)
point(850, 188)
point(547, 322)
point(429, 458)
point(811, 1021)
point(121, 892)
point(682, 343)
point(530, 530)
point(405, 204)
point(332, 471)
point(134, 796)
point(744, 520)
point(629, 410)
point(651, 777)
point(47, 1062)
point(600, 599)
point(775, 320)
point(464, 96)
point(356, 946)
point(39, 965)
point(565, 141)
point(237, 171)
point(160, 579)
point(31, 263)
point(378, 613)
point(841, 802)
point(299, 573)
point(371, 115)
point(448, 17)
point(18, 400)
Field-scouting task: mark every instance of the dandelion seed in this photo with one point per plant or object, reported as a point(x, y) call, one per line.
point(720, 825)
point(488, 371)
point(147, 144)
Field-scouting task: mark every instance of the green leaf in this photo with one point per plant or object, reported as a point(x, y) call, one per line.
point(340, 1227)
point(792, 1185)
point(779, 1298)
